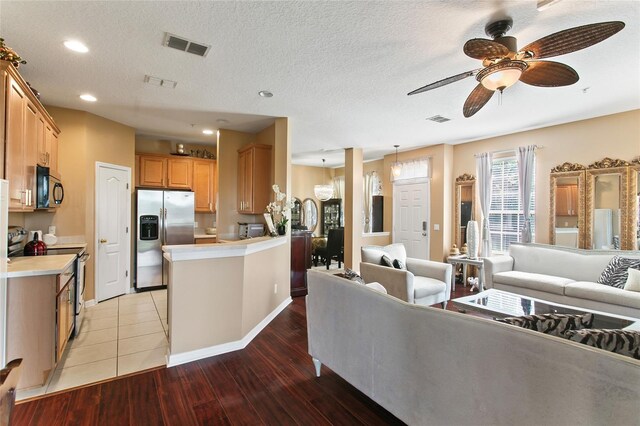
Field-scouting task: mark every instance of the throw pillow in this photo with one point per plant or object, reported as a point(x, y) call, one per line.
point(352, 275)
point(399, 264)
point(633, 280)
point(615, 274)
point(554, 324)
point(623, 342)
point(377, 287)
point(386, 261)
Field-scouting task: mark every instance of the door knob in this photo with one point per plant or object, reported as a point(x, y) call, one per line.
point(102, 241)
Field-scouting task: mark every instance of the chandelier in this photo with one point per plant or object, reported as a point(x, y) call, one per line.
point(323, 192)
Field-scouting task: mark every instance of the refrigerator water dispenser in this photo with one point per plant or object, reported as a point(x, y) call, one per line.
point(148, 228)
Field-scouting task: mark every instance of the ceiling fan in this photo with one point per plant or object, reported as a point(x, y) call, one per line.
point(504, 65)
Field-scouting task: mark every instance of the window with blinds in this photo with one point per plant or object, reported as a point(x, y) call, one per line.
point(505, 215)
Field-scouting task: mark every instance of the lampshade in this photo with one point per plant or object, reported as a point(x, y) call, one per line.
point(323, 192)
point(501, 75)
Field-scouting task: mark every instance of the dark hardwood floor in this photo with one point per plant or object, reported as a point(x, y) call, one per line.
point(271, 381)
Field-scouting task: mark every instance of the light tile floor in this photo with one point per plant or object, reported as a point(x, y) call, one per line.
point(119, 336)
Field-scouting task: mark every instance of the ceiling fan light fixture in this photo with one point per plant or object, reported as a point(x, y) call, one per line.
point(501, 75)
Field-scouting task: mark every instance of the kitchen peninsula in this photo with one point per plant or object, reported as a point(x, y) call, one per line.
point(221, 295)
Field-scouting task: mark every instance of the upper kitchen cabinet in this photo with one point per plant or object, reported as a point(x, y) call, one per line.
point(153, 170)
point(23, 121)
point(204, 185)
point(179, 173)
point(254, 178)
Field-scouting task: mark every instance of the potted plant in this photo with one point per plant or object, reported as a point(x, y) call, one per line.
point(279, 209)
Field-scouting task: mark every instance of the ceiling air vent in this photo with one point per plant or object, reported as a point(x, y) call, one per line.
point(160, 82)
point(185, 45)
point(439, 119)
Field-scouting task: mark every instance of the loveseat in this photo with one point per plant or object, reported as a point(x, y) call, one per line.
point(563, 275)
point(429, 366)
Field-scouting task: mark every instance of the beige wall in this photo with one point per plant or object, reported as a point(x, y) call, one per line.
point(84, 140)
point(304, 178)
point(163, 146)
point(584, 142)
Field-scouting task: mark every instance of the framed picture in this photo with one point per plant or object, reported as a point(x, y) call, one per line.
point(270, 225)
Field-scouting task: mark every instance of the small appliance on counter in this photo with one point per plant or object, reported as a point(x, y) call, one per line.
point(250, 230)
point(15, 236)
point(35, 247)
point(49, 189)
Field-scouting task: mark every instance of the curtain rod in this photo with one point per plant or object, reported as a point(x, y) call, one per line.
point(506, 151)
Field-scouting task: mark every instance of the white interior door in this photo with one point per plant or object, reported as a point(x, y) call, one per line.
point(411, 217)
point(113, 214)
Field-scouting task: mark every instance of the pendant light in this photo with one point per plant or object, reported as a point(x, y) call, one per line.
point(396, 168)
point(323, 192)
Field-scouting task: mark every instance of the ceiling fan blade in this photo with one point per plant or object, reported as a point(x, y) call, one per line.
point(572, 39)
point(481, 48)
point(549, 74)
point(476, 100)
point(445, 81)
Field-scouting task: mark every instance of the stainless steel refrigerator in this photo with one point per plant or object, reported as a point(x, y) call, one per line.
point(162, 218)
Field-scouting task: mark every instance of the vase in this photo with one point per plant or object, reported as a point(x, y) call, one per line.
point(473, 239)
point(282, 229)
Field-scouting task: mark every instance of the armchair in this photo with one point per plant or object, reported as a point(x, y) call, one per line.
point(423, 282)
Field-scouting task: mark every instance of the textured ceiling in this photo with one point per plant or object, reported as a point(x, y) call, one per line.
point(339, 70)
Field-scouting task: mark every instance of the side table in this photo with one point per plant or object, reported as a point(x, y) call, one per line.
point(464, 260)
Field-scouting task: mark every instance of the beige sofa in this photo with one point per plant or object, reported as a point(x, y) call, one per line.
point(562, 275)
point(433, 367)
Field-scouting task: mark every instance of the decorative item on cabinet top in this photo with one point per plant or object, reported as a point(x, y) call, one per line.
point(10, 55)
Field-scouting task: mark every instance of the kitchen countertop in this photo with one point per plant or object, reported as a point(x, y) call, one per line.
point(67, 246)
point(31, 266)
point(199, 233)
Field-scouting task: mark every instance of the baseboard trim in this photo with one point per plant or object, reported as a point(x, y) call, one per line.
point(90, 303)
point(184, 357)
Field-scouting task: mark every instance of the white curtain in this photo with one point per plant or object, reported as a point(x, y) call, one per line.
point(338, 192)
point(420, 168)
point(526, 162)
point(483, 171)
point(369, 182)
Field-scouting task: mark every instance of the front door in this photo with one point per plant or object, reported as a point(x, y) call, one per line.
point(113, 214)
point(411, 217)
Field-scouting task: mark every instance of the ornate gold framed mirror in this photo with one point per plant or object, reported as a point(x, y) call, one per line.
point(607, 199)
point(634, 204)
point(464, 207)
point(567, 205)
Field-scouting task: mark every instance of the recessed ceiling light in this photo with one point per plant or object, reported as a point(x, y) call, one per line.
point(76, 46)
point(207, 132)
point(87, 97)
point(265, 93)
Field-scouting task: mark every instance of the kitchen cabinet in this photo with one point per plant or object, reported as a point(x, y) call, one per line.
point(47, 143)
point(23, 120)
point(211, 240)
point(204, 185)
point(179, 173)
point(63, 321)
point(567, 200)
point(300, 261)
point(254, 178)
point(153, 170)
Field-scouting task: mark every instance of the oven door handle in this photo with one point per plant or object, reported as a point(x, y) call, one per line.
point(85, 257)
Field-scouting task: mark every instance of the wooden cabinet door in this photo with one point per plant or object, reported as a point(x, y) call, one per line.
point(62, 318)
point(563, 194)
point(41, 138)
point(153, 171)
point(179, 173)
point(30, 153)
point(14, 160)
point(261, 192)
point(242, 178)
point(573, 200)
point(52, 153)
point(203, 186)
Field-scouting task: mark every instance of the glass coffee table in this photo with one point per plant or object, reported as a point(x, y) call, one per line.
point(500, 304)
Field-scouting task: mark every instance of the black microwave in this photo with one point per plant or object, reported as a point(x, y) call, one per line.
point(49, 190)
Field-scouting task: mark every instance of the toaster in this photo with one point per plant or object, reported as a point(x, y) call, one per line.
point(250, 230)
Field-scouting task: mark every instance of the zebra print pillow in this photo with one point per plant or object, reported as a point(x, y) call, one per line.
point(623, 342)
point(554, 324)
point(386, 261)
point(352, 275)
point(615, 274)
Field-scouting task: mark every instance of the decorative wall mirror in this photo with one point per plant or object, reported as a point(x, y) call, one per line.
point(296, 213)
point(310, 214)
point(607, 212)
point(566, 205)
point(634, 203)
point(464, 208)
